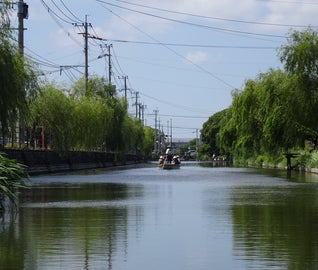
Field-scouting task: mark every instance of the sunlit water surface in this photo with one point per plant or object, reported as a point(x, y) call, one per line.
point(197, 217)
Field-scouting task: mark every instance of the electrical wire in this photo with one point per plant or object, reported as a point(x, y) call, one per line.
point(76, 17)
point(289, 2)
point(51, 11)
point(54, 17)
point(65, 15)
point(221, 19)
point(194, 45)
point(173, 51)
point(193, 24)
point(186, 108)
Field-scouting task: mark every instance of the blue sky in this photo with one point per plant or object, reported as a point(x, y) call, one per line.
point(184, 57)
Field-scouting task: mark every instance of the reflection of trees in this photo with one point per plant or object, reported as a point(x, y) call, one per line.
point(12, 255)
point(89, 228)
point(277, 225)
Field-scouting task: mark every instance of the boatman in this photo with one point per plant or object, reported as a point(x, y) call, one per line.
point(169, 154)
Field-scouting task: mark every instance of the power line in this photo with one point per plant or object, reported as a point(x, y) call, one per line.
point(193, 24)
point(194, 45)
point(186, 108)
point(65, 15)
point(54, 16)
point(170, 49)
point(290, 2)
point(181, 116)
point(76, 17)
point(51, 11)
point(222, 19)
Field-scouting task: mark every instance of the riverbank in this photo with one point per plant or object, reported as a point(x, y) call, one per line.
point(45, 161)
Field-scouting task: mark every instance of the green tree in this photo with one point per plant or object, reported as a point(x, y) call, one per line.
point(91, 120)
point(147, 145)
point(300, 58)
point(115, 110)
point(265, 117)
point(283, 127)
point(133, 135)
point(54, 111)
point(96, 86)
point(17, 78)
point(209, 134)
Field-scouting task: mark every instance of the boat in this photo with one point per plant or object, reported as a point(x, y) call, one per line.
point(169, 166)
point(165, 165)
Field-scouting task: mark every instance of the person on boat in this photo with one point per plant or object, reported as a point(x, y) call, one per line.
point(176, 160)
point(161, 160)
point(169, 154)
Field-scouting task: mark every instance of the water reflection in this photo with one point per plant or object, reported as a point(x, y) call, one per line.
point(275, 225)
point(80, 224)
point(198, 217)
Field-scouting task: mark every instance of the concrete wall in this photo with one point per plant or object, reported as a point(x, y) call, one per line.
point(44, 161)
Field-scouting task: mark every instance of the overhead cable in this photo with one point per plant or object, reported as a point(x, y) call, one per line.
point(193, 45)
point(173, 51)
point(218, 18)
point(193, 24)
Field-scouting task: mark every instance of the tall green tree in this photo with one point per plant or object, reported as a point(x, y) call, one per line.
point(92, 119)
point(300, 58)
point(209, 133)
point(17, 78)
point(53, 110)
point(265, 117)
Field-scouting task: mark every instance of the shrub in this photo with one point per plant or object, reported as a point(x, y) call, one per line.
point(12, 177)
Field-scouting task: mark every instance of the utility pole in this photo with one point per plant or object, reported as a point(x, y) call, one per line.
point(136, 103)
point(171, 132)
point(22, 14)
point(86, 52)
point(196, 141)
point(109, 61)
point(142, 113)
point(125, 85)
point(85, 35)
point(109, 64)
point(156, 131)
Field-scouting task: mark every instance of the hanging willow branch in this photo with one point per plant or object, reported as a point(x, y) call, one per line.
point(13, 175)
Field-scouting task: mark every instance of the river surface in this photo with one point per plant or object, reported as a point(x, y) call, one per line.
point(195, 218)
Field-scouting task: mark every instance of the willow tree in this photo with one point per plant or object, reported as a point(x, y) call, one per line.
point(300, 59)
point(53, 110)
point(114, 110)
point(265, 117)
point(17, 78)
point(12, 94)
point(92, 120)
point(209, 133)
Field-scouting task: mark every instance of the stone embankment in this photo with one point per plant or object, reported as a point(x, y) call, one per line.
point(45, 161)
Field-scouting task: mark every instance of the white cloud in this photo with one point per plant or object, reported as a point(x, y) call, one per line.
point(65, 38)
point(272, 12)
point(196, 57)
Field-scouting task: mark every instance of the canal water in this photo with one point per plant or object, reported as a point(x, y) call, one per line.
point(195, 218)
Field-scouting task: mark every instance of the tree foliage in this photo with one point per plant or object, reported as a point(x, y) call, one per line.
point(17, 78)
point(53, 111)
point(92, 120)
point(209, 132)
point(276, 111)
point(12, 176)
